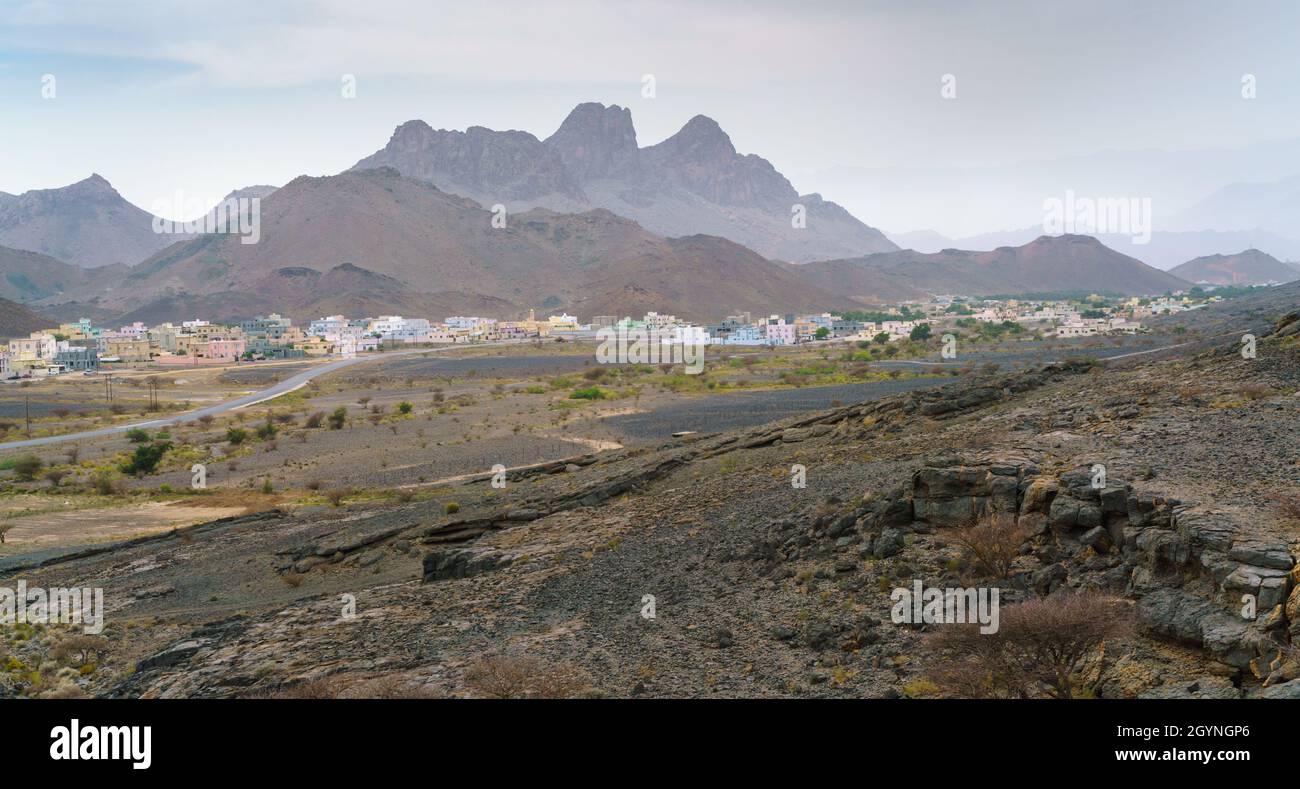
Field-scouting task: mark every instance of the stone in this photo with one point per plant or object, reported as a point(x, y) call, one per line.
point(461, 563)
point(1262, 553)
point(1098, 539)
point(889, 543)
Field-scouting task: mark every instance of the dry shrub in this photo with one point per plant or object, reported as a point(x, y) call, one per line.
point(315, 420)
point(1038, 650)
point(506, 677)
point(293, 579)
point(990, 547)
point(1253, 391)
point(80, 649)
point(335, 496)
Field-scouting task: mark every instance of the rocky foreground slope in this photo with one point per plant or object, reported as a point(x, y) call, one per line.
point(761, 588)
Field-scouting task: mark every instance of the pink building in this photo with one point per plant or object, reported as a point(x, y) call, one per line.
point(225, 349)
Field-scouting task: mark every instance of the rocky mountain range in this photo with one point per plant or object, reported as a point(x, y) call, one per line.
point(87, 223)
point(1049, 264)
point(376, 241)
point(692, 183)
point(1248, 267)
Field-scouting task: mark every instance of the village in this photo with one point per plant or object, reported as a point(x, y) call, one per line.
point(83, 347)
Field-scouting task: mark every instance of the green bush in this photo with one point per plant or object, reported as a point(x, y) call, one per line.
point(137, 436)
point(236, 435)
point(145, 458)
point(267, 431)
point(404, 407)
point(590, 393)
point(338, 418)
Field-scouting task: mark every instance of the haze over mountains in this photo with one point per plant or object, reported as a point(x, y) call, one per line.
point(961, 202)
point(693, 182)
point(1272, 206)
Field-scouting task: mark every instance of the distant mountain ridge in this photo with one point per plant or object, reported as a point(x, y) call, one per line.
point(1053, 264)
point(1256, 205)
point(1165, 250)
point(1248, 267)
point(691, 183)
point(87, 223)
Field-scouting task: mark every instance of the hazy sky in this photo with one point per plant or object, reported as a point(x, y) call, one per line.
point(205, 97)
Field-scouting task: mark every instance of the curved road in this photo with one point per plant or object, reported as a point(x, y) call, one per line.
point(282, 388)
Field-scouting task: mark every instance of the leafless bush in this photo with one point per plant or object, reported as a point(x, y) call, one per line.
point(506, 677)
point(1038, 649)
point(315, 420)
point(80, 649)
point(991, 546)
point(335, 496)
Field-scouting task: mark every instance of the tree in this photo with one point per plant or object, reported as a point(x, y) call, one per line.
point(822, 333)
point(145, 458)
point(920, 332)
point(881, 338)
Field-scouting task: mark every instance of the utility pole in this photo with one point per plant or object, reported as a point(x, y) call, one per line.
point(27, 408)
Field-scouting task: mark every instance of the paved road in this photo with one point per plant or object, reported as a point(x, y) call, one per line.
point(284, 387)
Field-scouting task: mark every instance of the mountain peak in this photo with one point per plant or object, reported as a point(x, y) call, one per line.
point(596, 141)
point(95, 184)
point(701, 134)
